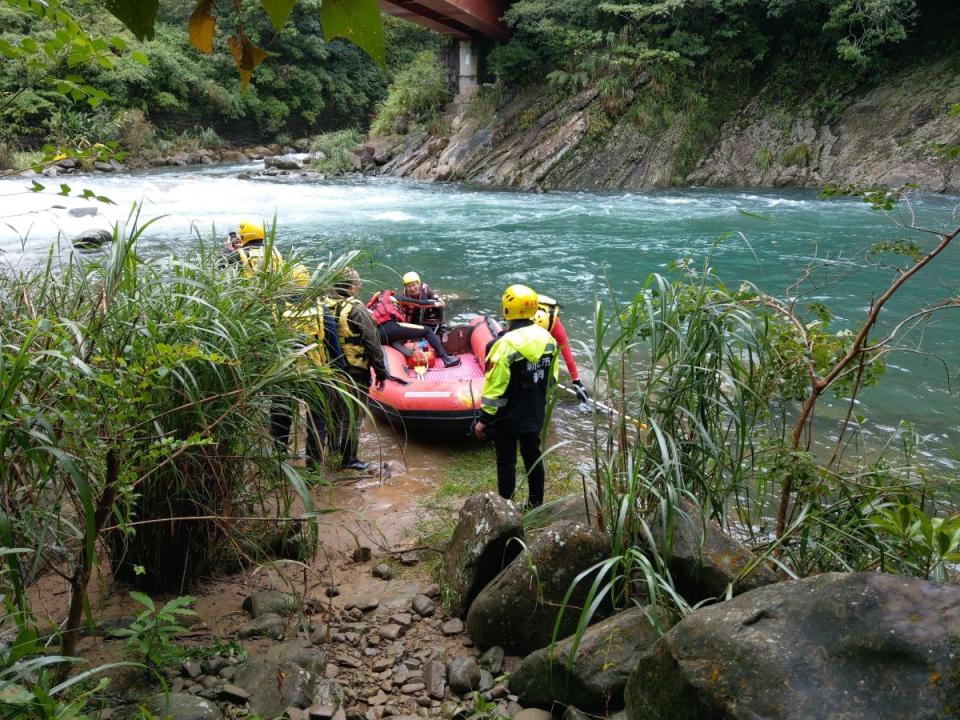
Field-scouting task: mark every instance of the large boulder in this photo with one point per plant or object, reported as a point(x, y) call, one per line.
point(519, 608)
point(606, 656)
point(274, 686)
point(857, 646)
point(483, 543)
point(293, 161)
point(704, 560)
point(570, 508)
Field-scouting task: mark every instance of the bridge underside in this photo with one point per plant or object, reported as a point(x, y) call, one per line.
point(461, 19)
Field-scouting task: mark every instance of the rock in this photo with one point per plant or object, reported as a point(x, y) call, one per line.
point(402, 619)
point(434, 677)
point(423, 606)
point(319, 633)
point(275, 686)
point(850, 645)
point(362, 554)
point(704, 563)
point(382, 571)
point(433, 591)
point(411, 688)
point(483, 543)
point(486, 680)
point(453, 626)
point(67, 164)
point(82, 212)
point(232, 156)
point(408, 558)
point(492, 659)
point(533, 714)
point(103, 166)
point(364, 603)
point(606, 656)
point(391, 631)
point(300, 653)
point(270, 625)
point(180, 706)
point(321, 712)
point(50, 171)
point(331, 591)
point(572, 713)
point(508, 613)
point(234, 694)
point(571, 508)
point(92, 238)
point(292, 161)
point(191, 669)
point(463, 674)
point(271, 601)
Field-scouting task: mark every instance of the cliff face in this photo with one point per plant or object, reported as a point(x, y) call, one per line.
point(890, 135)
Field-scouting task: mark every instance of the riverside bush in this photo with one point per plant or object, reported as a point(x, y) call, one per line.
point(414, 98)
point(134, 405)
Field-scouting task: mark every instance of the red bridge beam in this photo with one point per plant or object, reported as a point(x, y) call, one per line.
point(462, 19)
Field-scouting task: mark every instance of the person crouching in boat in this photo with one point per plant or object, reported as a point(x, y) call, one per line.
point(548, 317)
point(522, 367)
point(394, 329)
point(362, 352)
point(420, 304)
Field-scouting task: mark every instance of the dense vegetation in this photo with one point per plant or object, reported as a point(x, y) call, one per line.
point(307, 86)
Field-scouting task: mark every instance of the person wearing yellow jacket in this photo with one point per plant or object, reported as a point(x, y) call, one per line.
point(522, 368)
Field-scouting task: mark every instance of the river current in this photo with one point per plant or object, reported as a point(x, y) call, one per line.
point(575, 246)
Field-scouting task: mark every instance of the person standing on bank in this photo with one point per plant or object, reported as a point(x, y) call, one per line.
point(362, 352)
point(522, 368)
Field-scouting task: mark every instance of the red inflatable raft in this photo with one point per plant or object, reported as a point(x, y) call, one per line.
point(435, 398)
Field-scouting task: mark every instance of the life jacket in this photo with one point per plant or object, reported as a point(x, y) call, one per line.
point(309, 322)
point(253, 258)
point(354, 353)
point(384, 308)
point(551, 308)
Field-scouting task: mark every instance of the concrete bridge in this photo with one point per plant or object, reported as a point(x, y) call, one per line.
point(471, 22)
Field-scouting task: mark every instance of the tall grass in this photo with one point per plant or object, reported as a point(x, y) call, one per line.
point(134, 404)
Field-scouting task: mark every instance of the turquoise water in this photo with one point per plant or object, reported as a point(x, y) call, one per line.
point(575, 246)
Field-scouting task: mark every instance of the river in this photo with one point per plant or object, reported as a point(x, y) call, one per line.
point(575, 246)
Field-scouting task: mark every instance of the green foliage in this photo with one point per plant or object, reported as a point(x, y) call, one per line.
point(332, 150)
point(798, 154)
point(763, 159)
point(150, 635)
point(919, 544)
point(414, 98)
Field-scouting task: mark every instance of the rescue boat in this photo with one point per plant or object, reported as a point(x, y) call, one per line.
point(436, 399)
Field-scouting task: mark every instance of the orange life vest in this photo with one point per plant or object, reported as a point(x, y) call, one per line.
point(384, 307)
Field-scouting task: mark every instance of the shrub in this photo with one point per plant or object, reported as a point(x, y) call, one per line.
point(416, 96)
point(334, 147)
point(798, 154)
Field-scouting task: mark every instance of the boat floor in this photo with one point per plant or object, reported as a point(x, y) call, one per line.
point(468, 369)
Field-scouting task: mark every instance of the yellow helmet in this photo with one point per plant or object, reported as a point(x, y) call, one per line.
point(250, 230)
point(519, 303)
point(300, 275)
point(410, 277)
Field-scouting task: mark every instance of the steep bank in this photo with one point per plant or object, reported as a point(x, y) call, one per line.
point(891, 134)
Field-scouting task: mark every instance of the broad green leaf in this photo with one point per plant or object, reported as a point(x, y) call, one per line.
point(202, 27)
point(278, 10)
point(143, 599)
point(357, 21)
point(139, 57)
point(138, 15)
point(119, 43)
point(29, 44)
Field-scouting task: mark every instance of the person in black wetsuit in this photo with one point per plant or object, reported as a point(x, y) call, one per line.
point(393, 328)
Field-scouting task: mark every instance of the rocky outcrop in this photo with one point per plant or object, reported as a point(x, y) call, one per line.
point(607, 654)
point(892, 134)
point(704, 560)
point(95, 237)
point(483, 543)
point(519, 608)
point(858, 646)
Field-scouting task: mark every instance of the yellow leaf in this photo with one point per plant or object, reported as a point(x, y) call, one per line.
point(246, 56)
point(202, 27)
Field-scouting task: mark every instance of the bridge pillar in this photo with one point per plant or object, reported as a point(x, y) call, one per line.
point(468, 70)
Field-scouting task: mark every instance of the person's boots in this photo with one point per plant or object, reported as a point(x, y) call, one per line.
point(450, 361)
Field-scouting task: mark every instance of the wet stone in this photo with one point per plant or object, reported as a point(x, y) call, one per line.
point(382, 571)
point(424, 606)
point(453, 626)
